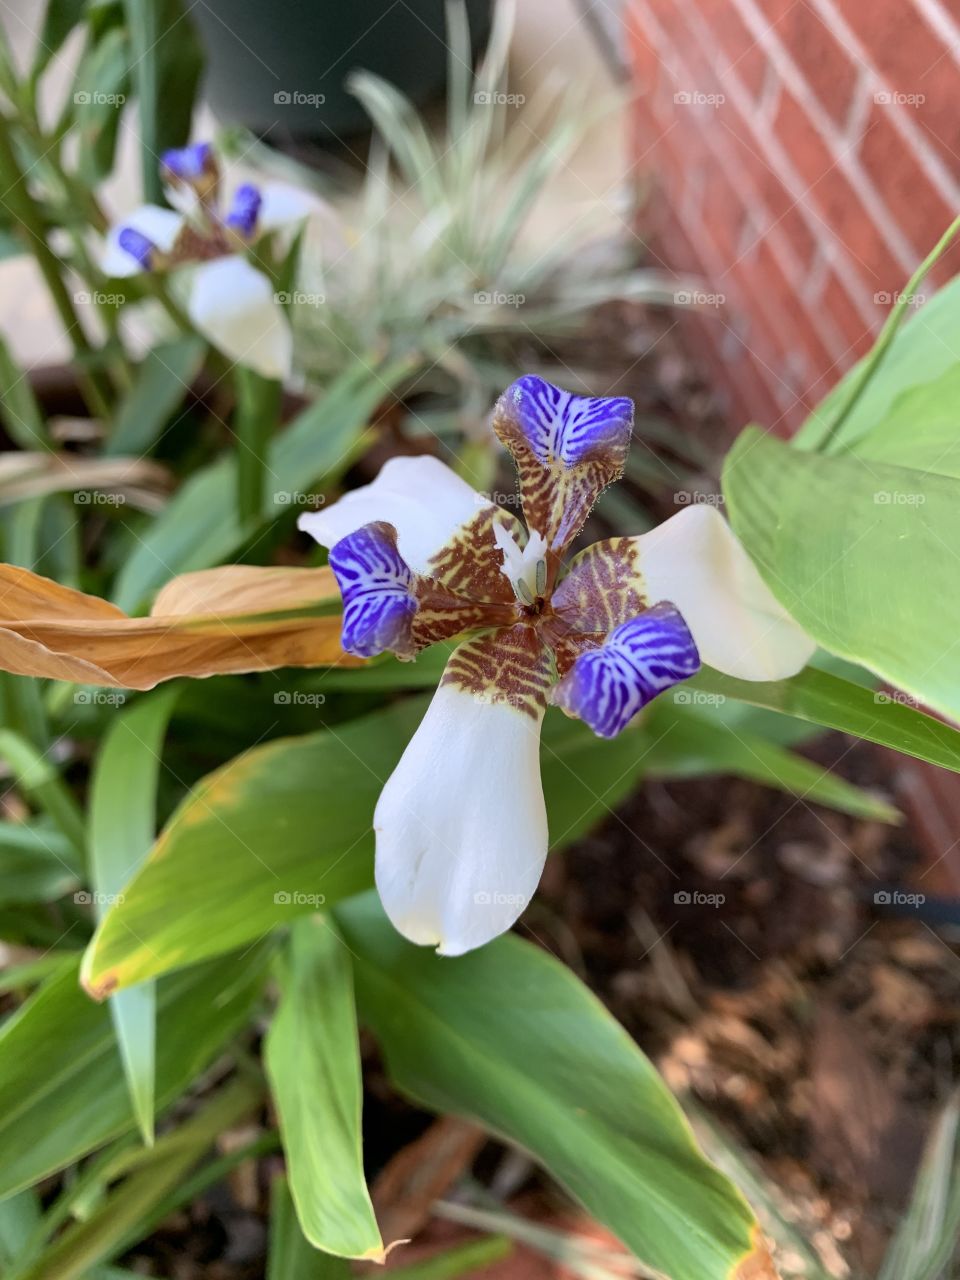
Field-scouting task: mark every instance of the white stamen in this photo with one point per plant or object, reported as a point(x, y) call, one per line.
point(525, 567)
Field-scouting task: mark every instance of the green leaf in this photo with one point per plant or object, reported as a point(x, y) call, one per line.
point(510, 1038)
point(57, 1104)
point(19, 410)
point(276, 832)
point(925, 1242)
point(689, 742)
point(313, 1065)
point(123, 804)
point(166, 63)
point(19, 1217)
point(120, 1218)
point(35, 863)
point(920, 430)
point(922, 352)
point(292, 1257)
point(200, 526)
point(824, 699)
point(39, 780)
point(162, 381)
point(287, 827)
point(99, 95)
point(459, 1260)
point(59, 19)
point(861, 553)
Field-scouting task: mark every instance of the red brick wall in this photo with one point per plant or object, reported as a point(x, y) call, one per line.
point(805, 156)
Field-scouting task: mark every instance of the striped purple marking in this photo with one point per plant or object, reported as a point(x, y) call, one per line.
point(606, 687)
point(244, 209)
point(377, 588)
point(570, 429)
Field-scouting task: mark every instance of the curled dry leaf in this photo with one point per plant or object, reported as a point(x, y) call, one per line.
point(138, 481)
point(213, 622)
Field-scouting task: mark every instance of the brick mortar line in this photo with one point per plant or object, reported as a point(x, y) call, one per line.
point(839, 262)
point(793, 77)
point(942, 24)
point(928, 159)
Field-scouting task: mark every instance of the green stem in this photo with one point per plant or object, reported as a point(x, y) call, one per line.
point(887, 334)
point(21, 204)
point(258, 408)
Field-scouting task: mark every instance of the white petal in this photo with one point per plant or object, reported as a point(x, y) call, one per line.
point(283, 205)
point(156, 223)
point(233, 304)
point(421, 497)
point(461, 824)
point(696, 560)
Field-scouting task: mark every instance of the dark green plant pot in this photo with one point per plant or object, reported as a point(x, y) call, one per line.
point(280, 68)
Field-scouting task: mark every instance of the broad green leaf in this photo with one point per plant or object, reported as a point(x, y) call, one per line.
point(292, 1256)
point(35, 863)
point(161, 383)
point(62, 1087)
point(287, 827)
point(278, 831)
point(689, 742)
point(824, 699)
point(510, 1038)
point(313, 1065)
point(922, 352)
point(123, 803)
point(19, 410)
point(120, 1219)
point(920, 430)
point(861, 553)
point(200, 526)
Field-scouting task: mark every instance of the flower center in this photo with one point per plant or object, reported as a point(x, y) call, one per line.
point(526, 567)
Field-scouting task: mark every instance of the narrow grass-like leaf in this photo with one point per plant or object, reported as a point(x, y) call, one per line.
point(292, 1256)
point(122, 828)
point(313, 1064)
point(162, 382)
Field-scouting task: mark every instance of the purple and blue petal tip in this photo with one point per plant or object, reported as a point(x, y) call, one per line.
point(189, 163)
point(606, 687)
point(561, 427)
point(244, 209)
point(137, 245)
point(377, 589)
